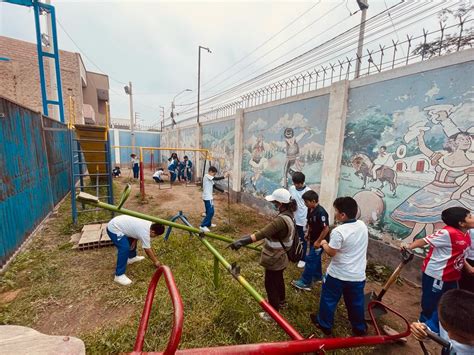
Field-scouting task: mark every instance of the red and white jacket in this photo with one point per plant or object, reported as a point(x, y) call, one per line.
point(445, 258)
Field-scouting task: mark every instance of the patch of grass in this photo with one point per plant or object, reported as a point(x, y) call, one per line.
point(53, 278)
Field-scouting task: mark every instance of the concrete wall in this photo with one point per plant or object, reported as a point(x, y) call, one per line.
point(425, 121)
point(96, 95)
point(34, 172)
point(340, 128)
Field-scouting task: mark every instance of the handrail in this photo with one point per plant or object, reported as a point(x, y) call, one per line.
point(175, 335)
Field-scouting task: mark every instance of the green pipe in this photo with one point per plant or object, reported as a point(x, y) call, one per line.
point(216, 273)
point(94, 201)
point(165, 222)
point(228, 267)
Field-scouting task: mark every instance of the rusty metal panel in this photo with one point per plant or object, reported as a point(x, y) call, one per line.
point(26, 193)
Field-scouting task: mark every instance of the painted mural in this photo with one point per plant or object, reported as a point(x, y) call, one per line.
point(281, 140)
point(219, 139)
point(168, 139)
point(408, 150)
point(188, 139)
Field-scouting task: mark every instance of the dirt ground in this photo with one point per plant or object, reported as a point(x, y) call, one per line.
point(84, 313)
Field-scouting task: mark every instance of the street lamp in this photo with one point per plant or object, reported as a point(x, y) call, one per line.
point(199, 78)
point(128, 91)
point(173, 122)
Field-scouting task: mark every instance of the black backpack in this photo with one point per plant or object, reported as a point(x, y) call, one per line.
point(295, 252)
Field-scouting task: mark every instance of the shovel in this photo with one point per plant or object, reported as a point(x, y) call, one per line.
point(407, 256)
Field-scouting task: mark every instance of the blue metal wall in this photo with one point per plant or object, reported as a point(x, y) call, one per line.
point(59, 154)
point(28, 188)
point(142, 139)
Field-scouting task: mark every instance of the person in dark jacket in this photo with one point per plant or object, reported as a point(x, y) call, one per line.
point(278, 236)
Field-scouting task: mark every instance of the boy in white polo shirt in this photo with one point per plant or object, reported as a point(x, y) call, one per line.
point(346, 272)
point(124, 231)
point(297, 190)
point(207, 197)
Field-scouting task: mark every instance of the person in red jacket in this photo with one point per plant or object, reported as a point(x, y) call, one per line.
point(444, 262)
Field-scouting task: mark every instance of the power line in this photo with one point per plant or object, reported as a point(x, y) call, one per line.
point(252, 81)
point(85, 55)
point(303, 56)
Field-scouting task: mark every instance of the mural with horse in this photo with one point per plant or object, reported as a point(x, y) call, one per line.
point(367, 171)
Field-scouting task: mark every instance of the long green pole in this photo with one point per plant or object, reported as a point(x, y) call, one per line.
point(232, 269)
point(158, 220)
point(208, 245)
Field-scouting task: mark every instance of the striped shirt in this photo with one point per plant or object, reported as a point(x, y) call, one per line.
point(445, 258)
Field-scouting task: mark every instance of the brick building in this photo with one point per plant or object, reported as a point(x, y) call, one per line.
point(20, 81)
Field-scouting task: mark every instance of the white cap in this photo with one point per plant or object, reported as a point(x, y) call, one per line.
point(280, 195)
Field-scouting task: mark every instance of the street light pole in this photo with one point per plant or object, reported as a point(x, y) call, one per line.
point(173, 122)
point(199, 78)
point(363, 5)
point(128, 91)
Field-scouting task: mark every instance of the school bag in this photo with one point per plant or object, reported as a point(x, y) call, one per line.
point(295, 252)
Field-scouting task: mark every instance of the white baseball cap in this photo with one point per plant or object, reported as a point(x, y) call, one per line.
point(280, 195)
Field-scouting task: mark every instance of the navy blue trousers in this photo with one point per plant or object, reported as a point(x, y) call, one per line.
point(432, 290)
point(353, 292)
point(313, 268)
point(123, 252)
point(207, 221)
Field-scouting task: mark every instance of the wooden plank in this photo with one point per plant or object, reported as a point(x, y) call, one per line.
point(19, 340)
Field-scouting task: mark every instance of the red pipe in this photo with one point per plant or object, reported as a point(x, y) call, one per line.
point(282, 322)
point(175, 335)
point(151, 161)
point(304, 346)
point(288, 347)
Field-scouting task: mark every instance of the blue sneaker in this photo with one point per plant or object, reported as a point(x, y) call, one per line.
point(300, 285)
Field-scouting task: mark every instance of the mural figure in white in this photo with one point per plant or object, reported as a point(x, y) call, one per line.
point(293, 160)
point(258, 162)
point(454, 175)
point(383, 159)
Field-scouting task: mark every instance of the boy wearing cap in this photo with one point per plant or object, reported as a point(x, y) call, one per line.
point(278, 236)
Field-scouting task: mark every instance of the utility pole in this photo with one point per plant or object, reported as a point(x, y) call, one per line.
point(129, 92)
point(363, 6)
point(199, 78)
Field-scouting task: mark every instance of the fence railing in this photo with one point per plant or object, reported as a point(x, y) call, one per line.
point(378, 58)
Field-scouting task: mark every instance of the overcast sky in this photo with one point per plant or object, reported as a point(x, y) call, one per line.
point(154, 44)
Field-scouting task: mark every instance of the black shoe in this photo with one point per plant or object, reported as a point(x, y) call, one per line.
point(283, 305)
point(314, 319)
point(358, 333)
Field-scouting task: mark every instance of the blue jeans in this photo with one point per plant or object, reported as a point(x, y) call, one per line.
point(312, 269)
point(300, 233)
point(136, 169)
point(207, 221)
point(432, 290)
point(124, 253)
point(353, 292)
point(172, 176)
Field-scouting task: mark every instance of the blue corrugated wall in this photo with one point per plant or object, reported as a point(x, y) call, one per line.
point(142, 139)
point(34, 172)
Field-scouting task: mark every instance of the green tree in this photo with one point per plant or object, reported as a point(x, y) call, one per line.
point(363, 135)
